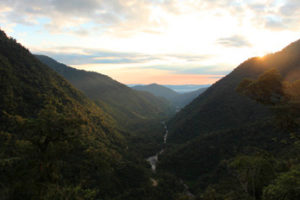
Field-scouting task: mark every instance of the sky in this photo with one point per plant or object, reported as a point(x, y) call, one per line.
point(146, 41)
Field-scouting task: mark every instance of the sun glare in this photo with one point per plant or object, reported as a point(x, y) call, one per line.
point(158, 31)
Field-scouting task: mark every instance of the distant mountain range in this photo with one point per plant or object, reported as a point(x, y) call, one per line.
point(186, 88)
point(177, 99)
point(178, 88)
point(157, 90)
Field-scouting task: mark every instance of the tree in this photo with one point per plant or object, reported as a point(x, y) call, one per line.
point(283, 98)
point(35, 155)
point(285, 187)
point(253, 173)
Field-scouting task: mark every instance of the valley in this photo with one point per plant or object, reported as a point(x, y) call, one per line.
point(75, 134)
point(178, 100)
point(154, 159)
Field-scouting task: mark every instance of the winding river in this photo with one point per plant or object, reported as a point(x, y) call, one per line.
point(154, 159)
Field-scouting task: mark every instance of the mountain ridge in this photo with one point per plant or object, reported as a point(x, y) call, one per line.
point(157, 90)
point(221, 126)
point(221, 102)
point(177, 99)
point(117, 99)
point(50, 132)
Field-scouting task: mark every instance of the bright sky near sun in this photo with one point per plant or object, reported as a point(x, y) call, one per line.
point(146, 41)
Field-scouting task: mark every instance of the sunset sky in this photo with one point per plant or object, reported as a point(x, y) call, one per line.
point(146, 41)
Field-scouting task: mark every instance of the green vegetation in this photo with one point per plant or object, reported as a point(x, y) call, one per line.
point(137, 114)
point(286, 186)
point(251, 159)
point(221, 107)
point(257, 161)
point(127, 106)
point(57, 144)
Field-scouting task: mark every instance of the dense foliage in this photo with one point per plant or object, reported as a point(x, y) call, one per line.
point(127, 106)
point(137, 114)
point(57, 144)
point(250, 159)
point(221, 107)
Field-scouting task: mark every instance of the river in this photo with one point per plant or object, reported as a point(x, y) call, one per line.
point(154, 159)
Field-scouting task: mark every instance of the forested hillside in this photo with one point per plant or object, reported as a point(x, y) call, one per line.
point(237, 140)
point(55, 143)
point(221, 107)
point(252, 148)
point(127, 106)
point(137, 114)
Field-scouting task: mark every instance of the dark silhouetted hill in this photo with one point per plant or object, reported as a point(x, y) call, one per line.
point(221, 107)
point(221, 125)
point(127, 106)
point(55, 142)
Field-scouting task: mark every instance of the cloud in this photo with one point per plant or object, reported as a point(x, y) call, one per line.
point(129, 15)
point(81, 32)
point(62, 14)
point(79, 55)
point(234, 41)
point(275, 24)
point(90, 56)
point(290, 14)
point(274, 15)
point(169, 35)
point(113, 63)
point(291, 7)
point(125, 18)
point(212, 70)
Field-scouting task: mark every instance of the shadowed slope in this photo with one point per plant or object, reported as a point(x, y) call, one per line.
point(55, 142)
point(127, 106)
point(220, 106)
